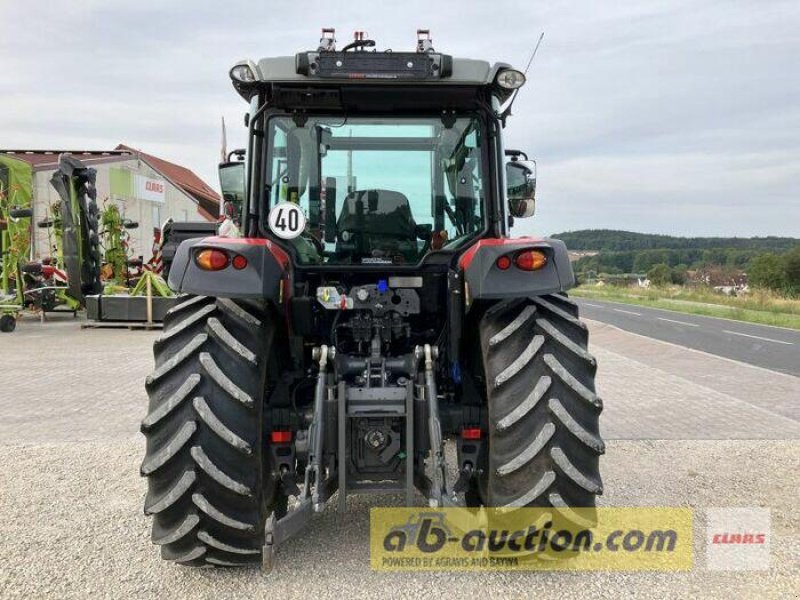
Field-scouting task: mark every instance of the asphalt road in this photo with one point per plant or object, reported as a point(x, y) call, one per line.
point(772, 348)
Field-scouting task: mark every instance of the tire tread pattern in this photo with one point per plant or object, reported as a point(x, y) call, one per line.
point(208, 491)
point(543, 408)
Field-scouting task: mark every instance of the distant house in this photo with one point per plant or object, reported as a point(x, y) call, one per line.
point(147, 189)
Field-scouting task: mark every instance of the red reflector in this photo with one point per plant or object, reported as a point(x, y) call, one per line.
point(530, 260)
point(280, 437)
point(471, 433)
point(211, 259)
point(503, 263)
point(239, 262)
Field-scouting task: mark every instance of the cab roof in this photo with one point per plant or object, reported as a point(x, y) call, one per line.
point(362, 68)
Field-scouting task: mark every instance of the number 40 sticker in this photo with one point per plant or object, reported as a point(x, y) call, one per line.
point(286, 220)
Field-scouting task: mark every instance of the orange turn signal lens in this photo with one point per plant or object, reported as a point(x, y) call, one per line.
point(211, 259)
point(530, 260)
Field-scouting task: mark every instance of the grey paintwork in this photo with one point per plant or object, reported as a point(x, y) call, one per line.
point(465, 71)
point(487, 281)
point(261, 277)
point(283, 69)
point(263, 274)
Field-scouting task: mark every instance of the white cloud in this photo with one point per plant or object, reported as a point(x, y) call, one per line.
point(675, 116)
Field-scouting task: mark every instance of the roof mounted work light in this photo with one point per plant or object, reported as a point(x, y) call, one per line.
point(243, 72)
point(510, 79)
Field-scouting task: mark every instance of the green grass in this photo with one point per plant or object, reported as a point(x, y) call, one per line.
point(758, 307)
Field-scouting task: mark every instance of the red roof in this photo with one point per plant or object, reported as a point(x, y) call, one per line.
point(208, 200)
point(182, 177)
point(47, 159)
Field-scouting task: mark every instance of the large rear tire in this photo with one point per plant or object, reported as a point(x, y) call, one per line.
point(544, 440)
point(210, 487)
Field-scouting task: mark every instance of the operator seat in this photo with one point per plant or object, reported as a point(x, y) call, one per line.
point(377, 222)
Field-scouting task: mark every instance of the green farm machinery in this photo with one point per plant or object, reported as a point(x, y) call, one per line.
point(15, 235)
point(80, 267)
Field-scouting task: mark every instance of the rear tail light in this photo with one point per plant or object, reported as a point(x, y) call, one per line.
point(526, 260)
point(471, 433)
point(530, 260)
point(239, 262)
point(280, 437)
point(212, 259)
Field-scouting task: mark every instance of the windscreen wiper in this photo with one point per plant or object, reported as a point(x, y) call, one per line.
point(445, 205)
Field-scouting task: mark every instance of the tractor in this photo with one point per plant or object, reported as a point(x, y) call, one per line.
point(373, 328)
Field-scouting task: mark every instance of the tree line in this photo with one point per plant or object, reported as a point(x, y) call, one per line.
point(619, 241)
point(769, 262)
point(640, 261)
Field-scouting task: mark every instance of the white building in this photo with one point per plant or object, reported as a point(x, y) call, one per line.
point(147, 190)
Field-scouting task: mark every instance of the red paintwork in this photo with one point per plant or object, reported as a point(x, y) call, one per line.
point(49, 271)
point(468, 256)
point(217, 239)
point(278, 253)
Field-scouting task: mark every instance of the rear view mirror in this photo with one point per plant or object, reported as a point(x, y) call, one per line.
point(228, 210)
point(521, 187)
point(231, 181)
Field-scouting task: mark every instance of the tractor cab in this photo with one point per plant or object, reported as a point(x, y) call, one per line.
point(389, 156)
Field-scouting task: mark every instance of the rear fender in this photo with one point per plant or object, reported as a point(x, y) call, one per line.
point(263, 277)
point(486, 281)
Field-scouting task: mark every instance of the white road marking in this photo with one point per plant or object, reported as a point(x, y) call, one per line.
point(758, 337)
point(629, 312)
point(738, 363)
point(678, 322)
point(589, 304)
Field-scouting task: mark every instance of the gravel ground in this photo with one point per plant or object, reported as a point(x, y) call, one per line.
point(71, 498)
point(72, 527)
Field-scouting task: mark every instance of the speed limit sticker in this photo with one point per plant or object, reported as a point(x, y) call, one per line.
point(286, 220)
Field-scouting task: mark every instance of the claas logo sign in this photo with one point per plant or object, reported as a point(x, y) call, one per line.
point(149, 189)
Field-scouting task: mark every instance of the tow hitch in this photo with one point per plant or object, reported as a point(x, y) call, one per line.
point(357, 405)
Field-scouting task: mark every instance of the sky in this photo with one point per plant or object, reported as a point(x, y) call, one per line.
point(673, 117)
